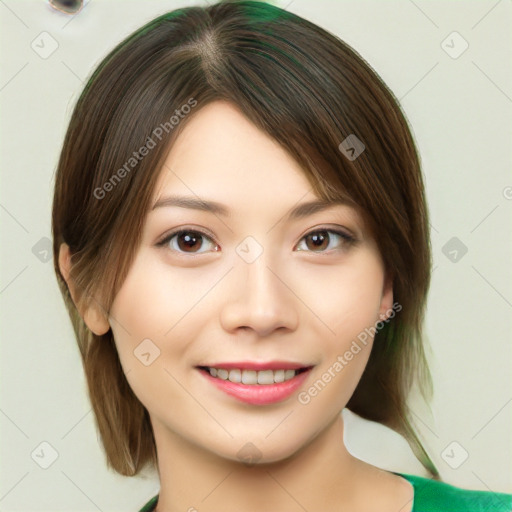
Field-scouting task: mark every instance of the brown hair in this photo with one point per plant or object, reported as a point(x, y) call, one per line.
point(309, 91)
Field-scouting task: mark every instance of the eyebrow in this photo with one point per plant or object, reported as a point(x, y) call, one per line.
point(300, 211)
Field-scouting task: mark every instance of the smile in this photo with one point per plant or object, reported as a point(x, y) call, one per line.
point(260, 387)
point(252, 377)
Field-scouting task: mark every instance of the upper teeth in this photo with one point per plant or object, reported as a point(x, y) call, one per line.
point(252, 376)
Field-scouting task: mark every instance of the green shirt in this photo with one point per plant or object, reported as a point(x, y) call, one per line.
point(435, 496)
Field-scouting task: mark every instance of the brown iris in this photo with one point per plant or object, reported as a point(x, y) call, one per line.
point(318, 238)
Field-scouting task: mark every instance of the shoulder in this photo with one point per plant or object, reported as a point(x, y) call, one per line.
point(150, 505)
point(435, 496)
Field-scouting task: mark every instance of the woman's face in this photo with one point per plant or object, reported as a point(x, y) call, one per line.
point(248, 284)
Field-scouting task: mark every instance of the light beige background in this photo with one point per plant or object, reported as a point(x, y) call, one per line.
point(460, 110)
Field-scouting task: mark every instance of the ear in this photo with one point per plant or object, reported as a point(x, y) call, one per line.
point(386, 303)
point(94, 315)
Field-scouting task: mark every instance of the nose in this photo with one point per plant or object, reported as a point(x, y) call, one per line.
point(259, 299)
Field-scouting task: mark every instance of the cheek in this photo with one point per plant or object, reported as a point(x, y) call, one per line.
point(140, 315)
point(346, 299)
point(148, 333)
point(156, 298)
point(159, 304)
point(151, 300)
point(351, 307)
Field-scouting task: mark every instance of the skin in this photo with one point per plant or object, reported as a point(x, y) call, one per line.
point(201, 306)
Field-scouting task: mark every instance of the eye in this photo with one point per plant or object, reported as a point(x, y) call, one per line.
point(322, 238)
point(190, 241)
point(187, 241)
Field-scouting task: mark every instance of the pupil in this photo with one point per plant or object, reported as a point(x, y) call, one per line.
point(190, 240)
point(319, 239)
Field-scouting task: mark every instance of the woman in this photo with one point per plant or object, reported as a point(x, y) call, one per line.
point(242, 241)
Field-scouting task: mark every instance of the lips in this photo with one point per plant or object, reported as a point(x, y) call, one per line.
point(253, 365)
point(257, 383)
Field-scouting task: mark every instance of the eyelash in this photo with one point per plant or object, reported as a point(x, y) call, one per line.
point(348, 240)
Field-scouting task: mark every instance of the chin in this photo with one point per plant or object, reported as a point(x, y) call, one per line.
point(257, 452)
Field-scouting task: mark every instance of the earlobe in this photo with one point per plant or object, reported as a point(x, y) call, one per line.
point(94, 316)
point(386, 304)
point(96, 320)
point(65, 267)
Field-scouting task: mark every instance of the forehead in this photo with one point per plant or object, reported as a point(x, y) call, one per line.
point(221, 158)
point(220, 148)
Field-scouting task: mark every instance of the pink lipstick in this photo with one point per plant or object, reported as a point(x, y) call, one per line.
point(260, 388)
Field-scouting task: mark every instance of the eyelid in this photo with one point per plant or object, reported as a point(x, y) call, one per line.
point(336, 228)
point(165, 242)
point(165, 237)
point(348, 237)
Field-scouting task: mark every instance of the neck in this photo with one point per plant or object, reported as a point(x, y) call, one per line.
point(320, 476)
